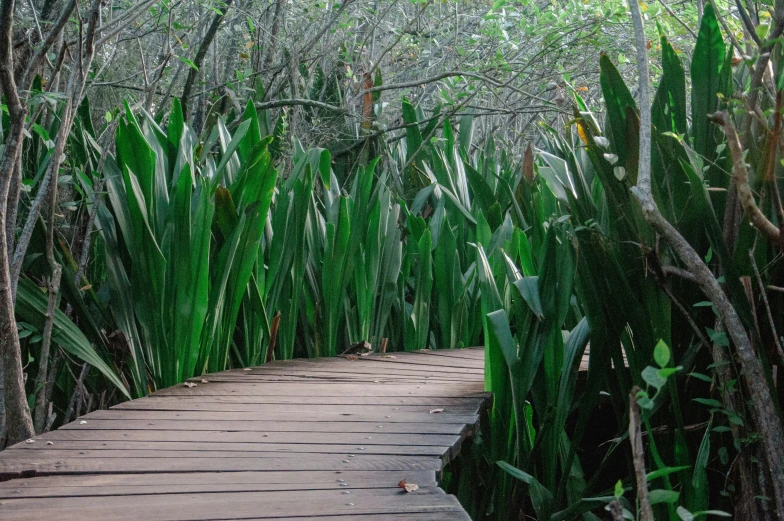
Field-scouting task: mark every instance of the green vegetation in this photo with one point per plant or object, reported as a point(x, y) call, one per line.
point(637, 231)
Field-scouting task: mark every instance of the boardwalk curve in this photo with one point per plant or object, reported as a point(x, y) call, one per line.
point(303, 439)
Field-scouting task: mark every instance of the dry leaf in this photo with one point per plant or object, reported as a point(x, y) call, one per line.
point(351, 357)
point(408, 487)
point(205, 381)
point(50, 443)
point(247, 369)
point(189, 384)
point(436, 411)
point(389, 356)
point(30, 441)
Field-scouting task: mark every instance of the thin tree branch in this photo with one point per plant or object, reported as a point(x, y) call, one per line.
point(645, 513)
point(297, 101)
point(201, 53)
point(740, 175)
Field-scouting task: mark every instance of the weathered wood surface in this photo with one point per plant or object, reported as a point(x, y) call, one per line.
point(303, 439)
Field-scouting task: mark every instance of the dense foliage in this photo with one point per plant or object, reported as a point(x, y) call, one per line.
point(469, 175)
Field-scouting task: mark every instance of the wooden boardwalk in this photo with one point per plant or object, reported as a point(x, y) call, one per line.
point(305, 439)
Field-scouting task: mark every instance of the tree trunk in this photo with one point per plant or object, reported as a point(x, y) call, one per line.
point(200, 55)
point(19, 424)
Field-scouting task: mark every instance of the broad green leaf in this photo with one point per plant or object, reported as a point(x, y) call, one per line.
point(31, 306)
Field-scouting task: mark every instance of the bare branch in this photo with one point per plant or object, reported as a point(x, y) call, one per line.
point(201, 53)
point(292, 102)
point(645, 512)
point(51, 37)
point(740, 175)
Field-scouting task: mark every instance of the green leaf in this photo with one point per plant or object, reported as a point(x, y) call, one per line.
point(665, 472)
point(541, 498)
point(413, 134)
point(706, 64)
point(617, 98)
point(684, 514)
point(652, 377)
point(619, 489)
point(529, 289)
point(661, 353)
point(663, 496)
point(188, 62)
point(710, 402)
point(31, 306)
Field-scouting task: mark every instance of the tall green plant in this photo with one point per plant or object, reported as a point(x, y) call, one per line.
point(182, 239)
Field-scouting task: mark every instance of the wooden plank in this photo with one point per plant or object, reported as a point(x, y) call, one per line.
point(434, 364)
point(178, 404)
point(343, 376)
point(15, 465)
point(261, 505)
point(344, 451)
point(292, 480)
point(425, 401)
point(373, 479)
point(411, 365)
point(404, 364)
point(436, 516)
point(269, 426)
point(456, 390)
point(469, 353)
point(282, 415)
point(340, 375)
point(222, 436)
point(361, 373)
point(320, 374)
point(209, 449)
point(178, 488)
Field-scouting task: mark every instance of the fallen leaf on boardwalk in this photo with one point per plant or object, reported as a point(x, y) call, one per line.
point(351, 357)
point(408, 487)
point(205, 381)
point(436, 411)
point(30, 441)
point(189, 384)
point(389, 356)
point(50, 443)
point(247, 369)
